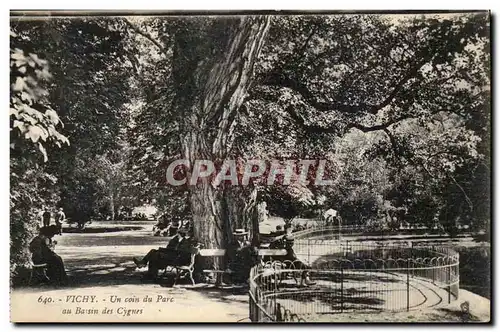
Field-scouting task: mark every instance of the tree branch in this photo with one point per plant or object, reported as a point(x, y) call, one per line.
point(162, 48)
point(392, 139)
point(282, 80)
point(314, 30)
point(382, 126)
point(310, 128)
point(279, 78)
point(298, 119)
point(469, 202)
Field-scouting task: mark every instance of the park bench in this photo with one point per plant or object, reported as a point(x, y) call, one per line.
point(38, 271)
point(187, 270)
point(220, 253)
point(181, 270)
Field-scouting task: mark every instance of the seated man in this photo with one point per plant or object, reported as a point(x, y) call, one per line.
point(279, 231)
point(286, 242)
point(241, 257)
point(174, 227)
point(177, 253)
point(41, 249)
point(162, 226)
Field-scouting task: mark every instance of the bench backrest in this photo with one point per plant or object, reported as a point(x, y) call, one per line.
point(272, 252)
point(222, 252)
point(212, 252)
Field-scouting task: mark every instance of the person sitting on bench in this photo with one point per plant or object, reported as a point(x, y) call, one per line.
point(286, 242)
point(177, 253)
point(41, 250)
point(174, 226)
point(241, 257)
point(162, 226)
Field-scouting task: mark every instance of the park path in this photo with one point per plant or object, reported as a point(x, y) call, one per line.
point(101, 264)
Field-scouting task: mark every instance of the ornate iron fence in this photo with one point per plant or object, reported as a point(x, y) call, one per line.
point(353, 276)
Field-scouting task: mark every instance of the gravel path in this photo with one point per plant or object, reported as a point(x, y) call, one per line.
point(101, 264)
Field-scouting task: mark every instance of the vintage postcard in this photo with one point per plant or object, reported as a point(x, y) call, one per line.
point(250, 167)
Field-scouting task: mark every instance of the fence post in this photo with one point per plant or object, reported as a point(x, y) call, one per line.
point(250, 305)
point(250, 300)
point(257, 309)
point(274, 295)
point(449, 281)
point(278, 312)
point(340, 230)
point(341, 288)
point(408, 285)
point(308, 251)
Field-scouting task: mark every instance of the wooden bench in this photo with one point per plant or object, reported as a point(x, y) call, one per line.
point(184, 269)
point(220, 253)
point(214, 253)
point(38, 271)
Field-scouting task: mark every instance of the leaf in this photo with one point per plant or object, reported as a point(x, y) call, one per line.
point(30, 119)
point(27, 97)
point(20, 125)
point(18, 54)
point(36, 59)
point(43, 151)
point(19, 85)
point(34, 133)
point(14, 111)
point(52, 116)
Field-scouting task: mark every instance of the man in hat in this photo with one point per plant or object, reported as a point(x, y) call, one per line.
point(60, 217)
point(162, 225)
point(238, 242)
point(241, 256)
point(178, 252)
point(45, 217)
point(240, 238)
point(286, 242)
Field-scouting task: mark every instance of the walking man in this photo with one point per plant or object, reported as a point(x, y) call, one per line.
point(45, 217)
point(60, 217)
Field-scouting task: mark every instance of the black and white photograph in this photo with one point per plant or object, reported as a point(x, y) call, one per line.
point(250, 166)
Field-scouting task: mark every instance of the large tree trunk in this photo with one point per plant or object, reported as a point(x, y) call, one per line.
point(213, 68)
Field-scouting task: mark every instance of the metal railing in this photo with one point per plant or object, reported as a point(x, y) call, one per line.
point(352, 276)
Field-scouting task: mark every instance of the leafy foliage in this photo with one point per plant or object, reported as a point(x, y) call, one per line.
point(33, 126)
point(32, 117)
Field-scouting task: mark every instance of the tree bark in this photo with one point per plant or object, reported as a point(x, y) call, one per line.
point(112, 206)
point(212, 68)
